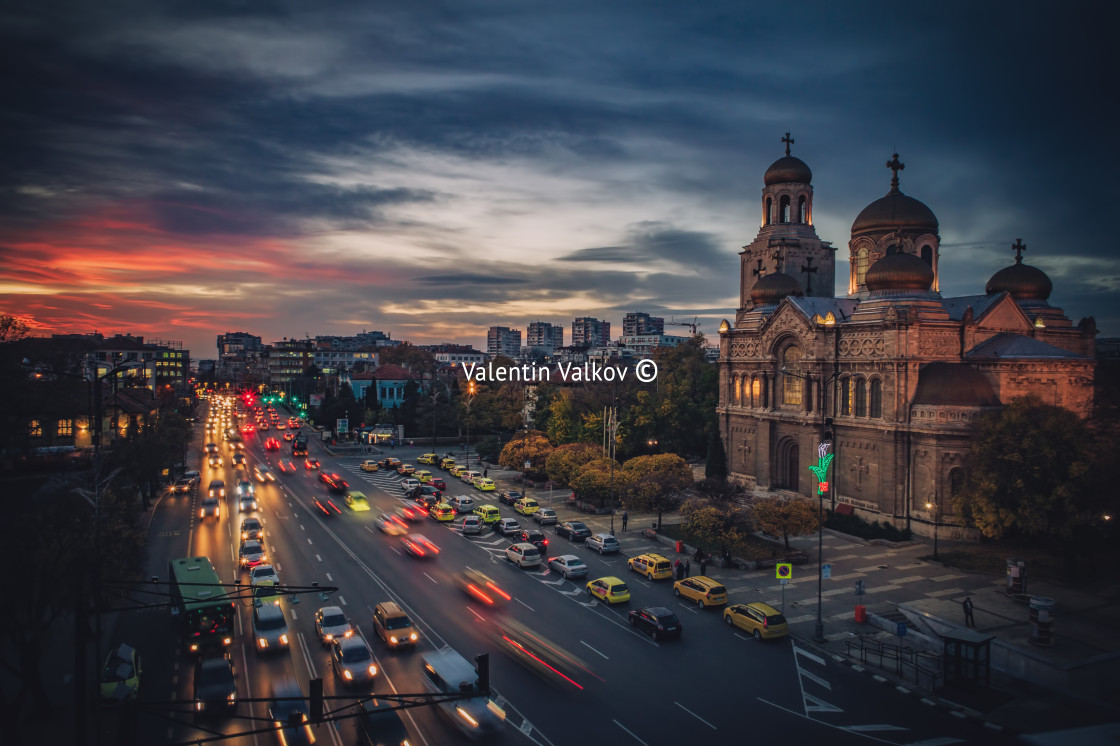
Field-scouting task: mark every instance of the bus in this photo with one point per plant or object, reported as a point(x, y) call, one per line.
point(206, 609)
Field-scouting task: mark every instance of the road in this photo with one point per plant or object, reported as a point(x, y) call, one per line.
point(713, 685)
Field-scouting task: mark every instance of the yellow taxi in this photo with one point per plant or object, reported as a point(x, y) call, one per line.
point(357, 502)
point(406, 469)
point(488, 513)
point(457, 470)
point(526, 506)
point(485, 484)
point(447, 464)
point(427, 458)
point(761, 620)
point(609, 589)
point(422, 476)
point(701, 589)
point(442, 512)
point(369, 465)
point(653, 566)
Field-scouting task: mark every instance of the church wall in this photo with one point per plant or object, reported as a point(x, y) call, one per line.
point(1061, 383)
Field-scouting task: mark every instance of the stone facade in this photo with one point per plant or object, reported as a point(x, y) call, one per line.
point(899, 372)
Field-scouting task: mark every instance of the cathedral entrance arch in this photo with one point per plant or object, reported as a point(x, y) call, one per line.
point(787, 465)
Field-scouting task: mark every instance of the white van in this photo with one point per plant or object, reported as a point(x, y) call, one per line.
point(447, 672)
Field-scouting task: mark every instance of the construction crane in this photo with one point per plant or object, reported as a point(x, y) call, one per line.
point(693, 326)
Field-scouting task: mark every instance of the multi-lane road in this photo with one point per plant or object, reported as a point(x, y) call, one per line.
point(713, 685)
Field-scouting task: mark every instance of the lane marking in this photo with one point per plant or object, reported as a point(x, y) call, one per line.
point(342, 600)
point(527, 606)
point(319, 557)
point(630, 732)
point(693, 714)
point(480, 617)
point(429, 577)
point(308, 539)
point(329, 577)
point(593, 649)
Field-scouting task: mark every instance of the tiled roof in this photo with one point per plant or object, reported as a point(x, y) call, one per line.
point(1017, 346)
point(392, 372)
point(979, 303)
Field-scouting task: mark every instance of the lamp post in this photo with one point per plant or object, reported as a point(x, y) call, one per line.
point(820, 470)
point(472, 389)
point(612, 429)
point(932, 505)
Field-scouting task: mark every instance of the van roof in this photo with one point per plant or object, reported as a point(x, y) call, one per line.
point(452, 667)
point(391, 608)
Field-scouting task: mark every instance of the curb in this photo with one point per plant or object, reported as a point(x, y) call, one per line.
point(930, 699)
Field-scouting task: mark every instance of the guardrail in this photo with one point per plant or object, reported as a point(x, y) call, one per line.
point(923, 667)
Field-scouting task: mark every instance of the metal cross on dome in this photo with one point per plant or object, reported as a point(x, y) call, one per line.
point(1018, 247)
point(895, 165)
point(788, 141)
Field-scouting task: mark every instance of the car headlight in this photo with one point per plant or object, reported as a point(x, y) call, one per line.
point(283, 639)
point(227, 641)
point(328, 637)
point(232, 697)
point(372, 670)
point(393, 640)
point(347, 675)
point(199, 705)
point(262, 642)
point(413, 637)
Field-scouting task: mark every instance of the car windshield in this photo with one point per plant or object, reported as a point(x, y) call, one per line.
point(250, 547)
point(575, 562)
point(215, 674)
point(355, 654)
point(669, 620)
point(265, 621)
point(251, 525)
point(577, 526)
point(210, 501)
point(334, 620)
point(398, 622)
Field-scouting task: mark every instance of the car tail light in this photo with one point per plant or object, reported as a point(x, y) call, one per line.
point(765, 622)
point(499, 591)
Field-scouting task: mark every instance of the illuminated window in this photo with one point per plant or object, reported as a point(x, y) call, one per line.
point(876, 398)
point(756, 392)
point(35, 429)
point(65, 427)
point(783, 208)
point(738, 392)
point(861, 397)
point(861, 265)
point(846, 396)
point(792, 386)
point(766, 215)
point(802, 210)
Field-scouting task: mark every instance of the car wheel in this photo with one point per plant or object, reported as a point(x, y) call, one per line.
point(653, 634)
point(632, 622)
point(649, 577)
point(700, 602)
point(727, 619)
point(757, 635)
point(589, 592)
point(677, 592)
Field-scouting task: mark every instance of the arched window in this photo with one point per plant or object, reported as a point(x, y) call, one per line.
point(876, 398)
point(783, 206)
point(862, 257)
point(792, 385)
point(802, 210)
point(861, 397)
point(846, 396)
point(738, 391)
point(927, 254)
point(756, 392)
point(767, 216)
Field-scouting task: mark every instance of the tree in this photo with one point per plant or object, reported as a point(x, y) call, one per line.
point(1035, 471)
point(565, 461)
point(532, 447)
point(563, 423)
point(718, 519)
point(594, 481)
point(786, 517)
point(715, 467)
point(656, 483)
point(13, 328)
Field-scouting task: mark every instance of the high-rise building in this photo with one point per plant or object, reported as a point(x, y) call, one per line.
point(501, 340)
point(543, 335)
point(639, 324)
point(589, 332)
point(233, 344)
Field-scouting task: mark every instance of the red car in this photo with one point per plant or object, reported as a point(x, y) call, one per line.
point(272, 444)
point(311, 463)
point(438, 483)
point(334, 483)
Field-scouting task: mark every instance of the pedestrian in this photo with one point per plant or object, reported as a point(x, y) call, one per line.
point(410, 444)
point(679, 569)
point(625, 519)
point(699, 555)
point(687, 568)
point(703, 566)
point(968, 620)
point(486, 472)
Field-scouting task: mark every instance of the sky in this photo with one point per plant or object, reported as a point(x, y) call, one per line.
point(182, 169)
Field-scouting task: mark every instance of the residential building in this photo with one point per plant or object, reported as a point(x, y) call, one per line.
point(544, 336)
point(501, 340)
point(589, 332)
point(644, 345)
point(638, 324)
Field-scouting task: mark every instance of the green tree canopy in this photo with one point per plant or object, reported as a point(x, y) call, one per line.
point(1035, 470)
point(786, 517)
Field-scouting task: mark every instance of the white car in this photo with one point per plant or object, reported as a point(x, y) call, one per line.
point(523, 555)
point(264, 575)
point(602, 543)
point(568, 565)
point(408, 484)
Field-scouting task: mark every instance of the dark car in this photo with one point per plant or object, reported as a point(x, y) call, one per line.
point(427, 489)
point(215, 687)
point(183, 484)
point(381, 725)
point(657, 622)
point(536, 538)
point(426, 500)
point(290, 715)
point(335, 483)
point(573, 530)
point(509, 498)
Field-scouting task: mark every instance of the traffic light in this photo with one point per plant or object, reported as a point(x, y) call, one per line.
point(316, 703)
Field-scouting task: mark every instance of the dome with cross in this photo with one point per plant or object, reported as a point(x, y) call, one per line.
point(1022, 281)
point(895, 210)
point(788, 169)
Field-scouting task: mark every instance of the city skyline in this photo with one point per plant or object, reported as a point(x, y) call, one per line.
point(432, 172)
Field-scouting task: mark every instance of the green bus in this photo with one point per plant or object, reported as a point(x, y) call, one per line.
point(205, 607)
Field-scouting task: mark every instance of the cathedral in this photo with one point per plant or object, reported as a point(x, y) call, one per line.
point(893, 374)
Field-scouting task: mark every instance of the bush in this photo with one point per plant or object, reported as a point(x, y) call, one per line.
point(856, 526)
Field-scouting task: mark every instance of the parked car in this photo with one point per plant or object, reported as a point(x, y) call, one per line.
point(759, 619)
point(408, 484)
point(656, 621)
point(568, 565)
point(602, 543)
point(575, 531)
point(488, 513)
point(545, 516)
point(526, 506)
point(523, 555)
point(703, 590)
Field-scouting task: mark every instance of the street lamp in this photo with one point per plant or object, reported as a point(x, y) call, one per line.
point(472, 389)
point(612, 429)
point(931, 504)
point(821, 471)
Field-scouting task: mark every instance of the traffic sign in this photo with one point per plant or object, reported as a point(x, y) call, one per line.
point(784, 571)
point(826, 571)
